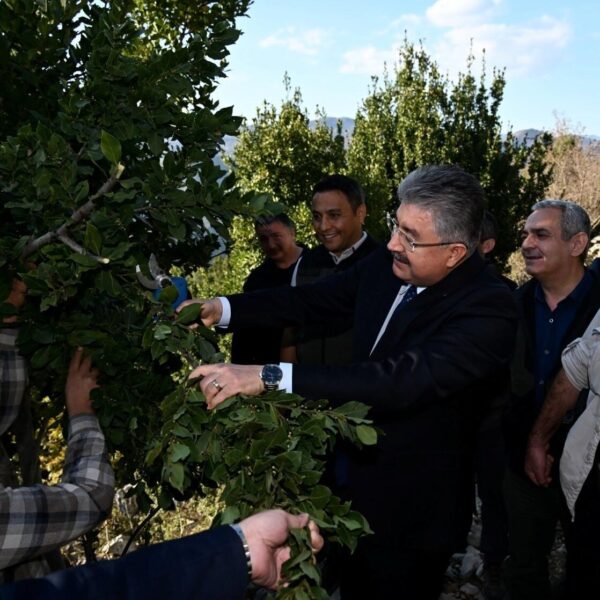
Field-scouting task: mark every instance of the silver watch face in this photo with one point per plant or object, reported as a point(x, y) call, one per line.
point(271, 376)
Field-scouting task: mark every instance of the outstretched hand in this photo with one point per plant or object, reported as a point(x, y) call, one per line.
point(211, 312)
point(222, 381)
point(81, 380)
point(267, 533)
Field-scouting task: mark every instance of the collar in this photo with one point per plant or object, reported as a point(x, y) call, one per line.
point(576, 294)
point(348, 251)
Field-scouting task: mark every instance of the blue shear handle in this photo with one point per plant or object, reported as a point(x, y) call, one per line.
point(181, 287)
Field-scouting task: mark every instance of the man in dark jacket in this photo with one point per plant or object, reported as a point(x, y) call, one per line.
point(433, 329)
point(555, 307)
point(277, 238)
point(338, 213)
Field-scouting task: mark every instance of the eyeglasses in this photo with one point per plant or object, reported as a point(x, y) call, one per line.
point(407, 240)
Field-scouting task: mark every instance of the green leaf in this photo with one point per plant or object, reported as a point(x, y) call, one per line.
point(189, 314)
point(84, 260)
point(110, 146)
point(175, 475)
point(353, 409)
point(156, 143)
point(367, 435)
point(168, 295)
point(230, 515)
point(162, 331)
point(108, 284)
point(154, 453)
point(93, 239)
point(178, 452)
point(41, 357)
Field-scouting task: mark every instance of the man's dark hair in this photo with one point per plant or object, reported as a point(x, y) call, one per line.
point(454, 197)
point(280, 218)
point(341, 183)
point(489, 227)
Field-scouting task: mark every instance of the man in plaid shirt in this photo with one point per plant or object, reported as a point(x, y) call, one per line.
point(39, 518)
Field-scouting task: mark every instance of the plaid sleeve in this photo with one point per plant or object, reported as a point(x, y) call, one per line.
point(13, 378)
point(39, 518)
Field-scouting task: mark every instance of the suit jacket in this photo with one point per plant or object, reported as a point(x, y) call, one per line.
point(522, 411)
point(427, 382)
point(261, 345)
point(207, 565)
point(329, 343)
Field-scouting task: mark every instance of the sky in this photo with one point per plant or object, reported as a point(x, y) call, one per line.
point(332, 48)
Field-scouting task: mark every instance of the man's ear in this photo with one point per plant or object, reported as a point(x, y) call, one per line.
point(457, 253)
point(361, 211)
point(579, 243)
point(486, 246)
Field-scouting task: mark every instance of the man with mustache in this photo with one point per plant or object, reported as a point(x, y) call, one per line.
point(433, 333)
point(555, 306)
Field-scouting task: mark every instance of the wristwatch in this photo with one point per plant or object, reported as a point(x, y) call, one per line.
point(271, 375)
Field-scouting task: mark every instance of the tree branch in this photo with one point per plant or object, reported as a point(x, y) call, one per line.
point(82, 213)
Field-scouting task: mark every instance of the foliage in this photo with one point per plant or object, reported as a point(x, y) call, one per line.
point(417, 116)
point(283, 155)
point(109, 110)
point(108, 134)
point(258, 452)
point(576, 170)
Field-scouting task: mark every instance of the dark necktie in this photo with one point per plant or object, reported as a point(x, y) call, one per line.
point(410, 294)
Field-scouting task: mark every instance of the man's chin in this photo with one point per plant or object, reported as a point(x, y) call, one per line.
point(401, 271)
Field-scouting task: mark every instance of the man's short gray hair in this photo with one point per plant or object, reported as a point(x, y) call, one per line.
point(574, 219)
point(454, 198)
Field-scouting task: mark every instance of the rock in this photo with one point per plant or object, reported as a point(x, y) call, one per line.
point(471, 562)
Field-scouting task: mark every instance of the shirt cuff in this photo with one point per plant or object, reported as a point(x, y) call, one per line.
point(286, 380)
point(226, 312)
point(81, 422)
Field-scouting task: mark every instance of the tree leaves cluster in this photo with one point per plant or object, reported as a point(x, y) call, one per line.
point(106, 156)
point(416, 115)
point(257, 453)
point(107, 142)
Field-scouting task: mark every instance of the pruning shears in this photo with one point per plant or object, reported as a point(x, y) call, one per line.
point(160, 280)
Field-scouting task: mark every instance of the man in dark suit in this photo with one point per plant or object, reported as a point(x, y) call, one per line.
point(433, 332)
point(217, 564)
point(338, 214)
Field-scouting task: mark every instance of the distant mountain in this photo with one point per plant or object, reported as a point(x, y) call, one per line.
point(523, 136)
point(527, 136)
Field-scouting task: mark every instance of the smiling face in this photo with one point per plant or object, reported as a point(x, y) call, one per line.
point(424, 266)
point(547, 256)
point(337, 225)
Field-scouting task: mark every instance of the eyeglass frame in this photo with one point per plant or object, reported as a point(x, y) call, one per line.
point(394, 228)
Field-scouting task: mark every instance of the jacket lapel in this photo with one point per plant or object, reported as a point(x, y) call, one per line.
point(425, 302)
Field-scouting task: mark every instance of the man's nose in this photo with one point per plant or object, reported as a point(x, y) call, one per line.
point(395, 243)
point(527, 241)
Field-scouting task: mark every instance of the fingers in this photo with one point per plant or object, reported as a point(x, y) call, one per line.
point(300, 522)
point(76, 360)
point(297, 521)
point(222, 381)
point(316, 539)
point(213, 383)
